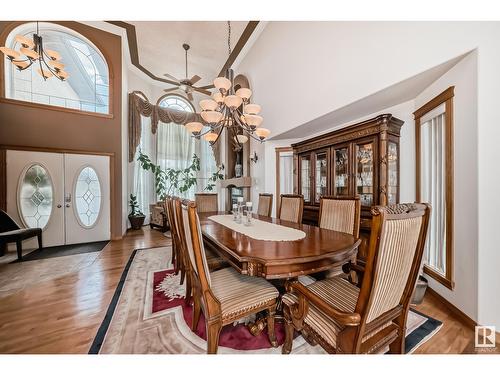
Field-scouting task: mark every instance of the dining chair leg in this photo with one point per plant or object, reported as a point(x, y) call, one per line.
point(196, 314)
point(271, 312)
point(213, 332)
point(19, 248)
point(189, 291)
point(183, 275)
point(398, 345)
point(289, 330)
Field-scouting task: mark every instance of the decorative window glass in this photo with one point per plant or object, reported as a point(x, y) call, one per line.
point(36, 197)
point(87, 87)
point(176, 102)
point(88, 197)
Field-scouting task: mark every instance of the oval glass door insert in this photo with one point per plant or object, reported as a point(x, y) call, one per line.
point(36, 194)
point(88, 197)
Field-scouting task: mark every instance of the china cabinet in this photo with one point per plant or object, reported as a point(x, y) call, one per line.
point(362, 159)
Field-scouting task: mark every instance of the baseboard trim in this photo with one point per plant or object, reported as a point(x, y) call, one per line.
point(467, 320)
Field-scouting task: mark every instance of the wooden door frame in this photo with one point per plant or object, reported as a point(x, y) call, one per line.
point(278, 151)
point(3, 174)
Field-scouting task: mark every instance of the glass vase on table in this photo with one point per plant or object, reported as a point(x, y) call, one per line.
point(248, 220)
point(240, 210)
point(235, 212)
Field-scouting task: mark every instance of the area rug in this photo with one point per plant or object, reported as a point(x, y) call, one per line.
point(148, 314)
point(64, 250)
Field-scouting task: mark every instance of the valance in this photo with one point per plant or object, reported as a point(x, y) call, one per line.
point(140, 106)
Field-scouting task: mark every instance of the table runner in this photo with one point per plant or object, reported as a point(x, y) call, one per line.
point(260, 230)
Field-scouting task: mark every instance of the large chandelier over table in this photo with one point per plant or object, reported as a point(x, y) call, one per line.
point(34, 53)
point(229, 110)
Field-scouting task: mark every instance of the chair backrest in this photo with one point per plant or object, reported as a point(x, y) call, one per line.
point(206, 202)
point(291, 207)
point(7, 223)
point(194, 242)
point(169, 210)
point(265, 204)
point(395, 253)
point(340, 213)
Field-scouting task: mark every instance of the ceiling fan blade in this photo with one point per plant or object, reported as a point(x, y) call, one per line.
point(190, 96)
point(194, 79)
point(199, 89)
point(171, 77)
point(171, 89)
point(207, 87)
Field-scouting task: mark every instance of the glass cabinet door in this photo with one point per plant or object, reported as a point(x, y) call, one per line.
point(321, 176)
point(305, 177)
point(364, 153)
point(341, 170)
point(392, 172)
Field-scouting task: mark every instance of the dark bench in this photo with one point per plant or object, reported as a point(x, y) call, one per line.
point(11, 232)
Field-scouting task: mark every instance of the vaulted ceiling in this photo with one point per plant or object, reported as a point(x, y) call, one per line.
point(159, 46)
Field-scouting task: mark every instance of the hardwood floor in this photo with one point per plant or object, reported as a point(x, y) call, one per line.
point(62, 315)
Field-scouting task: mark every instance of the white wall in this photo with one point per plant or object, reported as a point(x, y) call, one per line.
point(303, 70)
point(464, 77)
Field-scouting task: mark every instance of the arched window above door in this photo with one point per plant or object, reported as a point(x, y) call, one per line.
point(175, 102)
point(86, 89)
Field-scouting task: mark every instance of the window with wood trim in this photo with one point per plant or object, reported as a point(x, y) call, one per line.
point(434, 178)
point(86, 89)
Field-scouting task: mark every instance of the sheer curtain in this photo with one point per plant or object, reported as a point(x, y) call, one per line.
point(176, 147)
point(433, 190)
point(286, 173)
point(143, 185)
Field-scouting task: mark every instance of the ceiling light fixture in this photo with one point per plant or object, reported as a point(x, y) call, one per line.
point(48, 60)
point(229, 110)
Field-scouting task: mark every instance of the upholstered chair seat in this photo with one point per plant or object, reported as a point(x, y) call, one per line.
point(338, 293)
point(239, 293)
point(224, 296)
point(343, 318)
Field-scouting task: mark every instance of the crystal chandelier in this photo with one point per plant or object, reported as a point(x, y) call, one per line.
point(229, 110)
point(48, 60)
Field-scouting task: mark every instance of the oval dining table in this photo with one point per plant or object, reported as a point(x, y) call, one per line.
point(319, 250)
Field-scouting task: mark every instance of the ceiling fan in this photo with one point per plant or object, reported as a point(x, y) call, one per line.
point(186, 84)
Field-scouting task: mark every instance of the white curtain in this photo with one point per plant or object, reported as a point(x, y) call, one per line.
point(433, 188)
point(176, 147)
point(143, 185)
point(286, 173)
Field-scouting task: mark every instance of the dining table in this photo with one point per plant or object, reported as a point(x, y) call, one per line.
point(318, 250)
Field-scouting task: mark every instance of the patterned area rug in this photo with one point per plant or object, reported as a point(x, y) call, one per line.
point(148, 314)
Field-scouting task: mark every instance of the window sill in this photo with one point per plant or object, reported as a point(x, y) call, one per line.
point(447, 282)
point(54, 108)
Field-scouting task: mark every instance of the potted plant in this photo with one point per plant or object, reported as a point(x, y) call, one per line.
point(136, 217)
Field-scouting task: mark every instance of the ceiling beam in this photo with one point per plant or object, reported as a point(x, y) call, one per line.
point(134, 49)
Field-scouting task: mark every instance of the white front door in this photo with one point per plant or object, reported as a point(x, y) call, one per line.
point(87, 198)
point(67, 195)
point(35, 193)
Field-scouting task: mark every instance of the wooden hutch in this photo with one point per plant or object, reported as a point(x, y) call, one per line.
point(362, 159)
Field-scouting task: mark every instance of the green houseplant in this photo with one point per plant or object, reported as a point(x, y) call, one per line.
point(172, 181)
point(136, 217)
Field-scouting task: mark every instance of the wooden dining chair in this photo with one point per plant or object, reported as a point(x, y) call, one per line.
point(214, 261)
point(265, 204)
point(343, 318)
point(224, 296)
point(206, 202)
point(291, 207)
point(341, 214)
